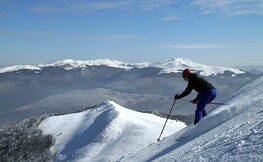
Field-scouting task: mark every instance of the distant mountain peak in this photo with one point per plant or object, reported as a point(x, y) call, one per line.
point(174, 65)
point(18, 67)
point(71, 64)
point(179, 64)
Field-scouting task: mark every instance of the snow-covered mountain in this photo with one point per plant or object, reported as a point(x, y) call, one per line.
point(69, 64)
point(179, 64)
point(110, 132)
point(104, 133)
point(168, 66)
point(30, 90)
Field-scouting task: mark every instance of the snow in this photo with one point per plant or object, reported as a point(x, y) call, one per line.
point(18, 67)
point(168, 66)
point(232, 132)
point(105, 133)
point(179, 64)
point(71, 64)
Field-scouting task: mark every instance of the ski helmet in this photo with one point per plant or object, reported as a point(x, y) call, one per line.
point(186, 72)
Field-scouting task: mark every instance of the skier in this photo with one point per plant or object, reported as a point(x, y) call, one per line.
point(206, 93)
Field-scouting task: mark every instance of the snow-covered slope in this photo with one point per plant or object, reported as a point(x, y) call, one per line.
point(167, 66)
point(230, 133)
point(105, 133)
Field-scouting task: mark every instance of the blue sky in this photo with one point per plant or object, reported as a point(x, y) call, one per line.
point(212, 32)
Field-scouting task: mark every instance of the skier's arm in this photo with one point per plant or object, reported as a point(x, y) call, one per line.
point(186, 92)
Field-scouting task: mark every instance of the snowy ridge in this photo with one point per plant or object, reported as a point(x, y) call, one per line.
point(69, 64)
point(232, 132)
point(18, 67)
point(105, 133)
point(177, 65)
point(168, 66)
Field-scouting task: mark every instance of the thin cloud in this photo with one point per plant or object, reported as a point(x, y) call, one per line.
point(192, 46)
point(56, 35)
point(229, 7)
point(193, 7)
point(153, 4)
point(77, 6)
point(111, 37)
point(80, 6)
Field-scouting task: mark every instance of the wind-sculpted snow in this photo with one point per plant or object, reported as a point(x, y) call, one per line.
point(105, 133)
point(230, 133)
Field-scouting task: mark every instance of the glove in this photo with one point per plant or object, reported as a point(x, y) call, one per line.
point(194, 101)
point(176, 97)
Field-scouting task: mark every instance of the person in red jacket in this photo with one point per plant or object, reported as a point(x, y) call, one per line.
point(206, 93)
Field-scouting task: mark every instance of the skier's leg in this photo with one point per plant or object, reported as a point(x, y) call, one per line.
point(200, 108)
point(205, 98)
point(213, 95)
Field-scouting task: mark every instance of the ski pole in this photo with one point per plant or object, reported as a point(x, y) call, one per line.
point(214, 103)
point(218, 103)
point(166, 121)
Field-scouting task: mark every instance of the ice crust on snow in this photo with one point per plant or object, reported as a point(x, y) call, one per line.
point(167, 66)
point(105, 132)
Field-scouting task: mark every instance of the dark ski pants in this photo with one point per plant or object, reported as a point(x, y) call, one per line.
point(204, 98)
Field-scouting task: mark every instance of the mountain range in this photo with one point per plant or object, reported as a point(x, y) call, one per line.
point(70, 85)
point(69, 129)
